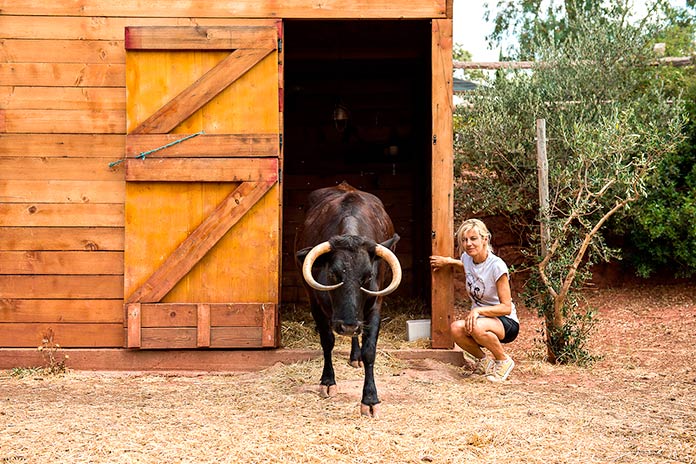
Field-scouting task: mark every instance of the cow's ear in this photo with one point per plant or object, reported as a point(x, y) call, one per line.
point(302, 254)
point(391, 243)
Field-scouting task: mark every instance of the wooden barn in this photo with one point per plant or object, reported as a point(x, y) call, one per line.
point(156, 157)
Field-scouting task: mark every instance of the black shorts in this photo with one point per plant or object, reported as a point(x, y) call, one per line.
point(512, 328)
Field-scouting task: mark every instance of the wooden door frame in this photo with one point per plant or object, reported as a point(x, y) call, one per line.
point(442, 172)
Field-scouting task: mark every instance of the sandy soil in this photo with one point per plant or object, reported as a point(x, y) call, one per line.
point(636, 405)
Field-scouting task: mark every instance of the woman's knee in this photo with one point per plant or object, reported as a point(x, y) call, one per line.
point(458, 328)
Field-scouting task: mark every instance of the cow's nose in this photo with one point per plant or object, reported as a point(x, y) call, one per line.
point(351, 330)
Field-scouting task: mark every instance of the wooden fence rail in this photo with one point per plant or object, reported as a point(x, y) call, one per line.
point(667, 61)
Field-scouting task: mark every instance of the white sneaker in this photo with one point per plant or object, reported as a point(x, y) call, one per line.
point(482, 366)
point(500, 370)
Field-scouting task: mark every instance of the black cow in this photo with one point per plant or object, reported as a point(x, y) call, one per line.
point(346, 241)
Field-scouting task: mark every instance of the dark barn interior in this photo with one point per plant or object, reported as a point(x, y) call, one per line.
point(357, 108)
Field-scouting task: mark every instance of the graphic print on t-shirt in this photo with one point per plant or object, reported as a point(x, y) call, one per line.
point(476, 288)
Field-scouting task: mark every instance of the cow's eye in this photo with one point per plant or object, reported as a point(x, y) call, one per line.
point(337, 275)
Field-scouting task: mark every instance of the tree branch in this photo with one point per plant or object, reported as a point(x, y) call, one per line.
point(568, 281)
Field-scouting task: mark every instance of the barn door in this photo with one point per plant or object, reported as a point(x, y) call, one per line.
point(202, 233)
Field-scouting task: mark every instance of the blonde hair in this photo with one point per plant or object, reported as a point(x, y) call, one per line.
point(478, 226)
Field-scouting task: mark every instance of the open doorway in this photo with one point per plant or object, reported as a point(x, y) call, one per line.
point(357, 108)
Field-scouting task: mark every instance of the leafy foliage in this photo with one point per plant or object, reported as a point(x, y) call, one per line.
point(533, 23)
point(567, 342)
point(656, 232)
point(609, 122)
point(660, 234)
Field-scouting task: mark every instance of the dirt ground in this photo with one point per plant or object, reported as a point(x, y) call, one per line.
point(636, 405)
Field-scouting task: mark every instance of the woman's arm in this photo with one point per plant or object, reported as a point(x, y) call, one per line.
point(505, 297)
point(439, 262)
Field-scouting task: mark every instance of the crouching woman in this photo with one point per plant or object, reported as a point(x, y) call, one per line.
point(492, 320)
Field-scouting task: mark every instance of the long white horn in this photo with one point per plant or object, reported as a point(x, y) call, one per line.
point(391, 259)
point(313, 254)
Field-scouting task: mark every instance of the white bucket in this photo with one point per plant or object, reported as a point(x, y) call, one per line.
point(417, 328)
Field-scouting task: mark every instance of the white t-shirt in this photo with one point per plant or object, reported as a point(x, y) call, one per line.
point(481, 281)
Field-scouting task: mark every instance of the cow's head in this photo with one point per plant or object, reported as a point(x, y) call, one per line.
point(350, 267)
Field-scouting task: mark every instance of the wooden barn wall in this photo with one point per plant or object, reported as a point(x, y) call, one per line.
point(62, 121)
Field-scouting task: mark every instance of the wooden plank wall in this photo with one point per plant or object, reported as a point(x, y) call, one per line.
point(62, 107)
point(62, 121)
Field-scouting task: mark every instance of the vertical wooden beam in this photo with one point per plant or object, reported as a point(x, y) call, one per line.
point(134, 315)
point(449, 8)
point(203, 326)
point(268, 329)
point(543, 176)
point(442, 290)
point(281, 162)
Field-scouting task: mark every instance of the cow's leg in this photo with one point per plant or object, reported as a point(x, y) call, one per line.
point(328, 378)
point(327, 338)
point(370, 402)
point(355, 356)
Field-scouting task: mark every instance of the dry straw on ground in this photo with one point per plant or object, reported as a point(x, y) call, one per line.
point(637, 405)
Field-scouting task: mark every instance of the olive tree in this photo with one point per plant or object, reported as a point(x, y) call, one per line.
point(609, 123)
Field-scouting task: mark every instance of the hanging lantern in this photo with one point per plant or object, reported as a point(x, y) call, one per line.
point(340, 117)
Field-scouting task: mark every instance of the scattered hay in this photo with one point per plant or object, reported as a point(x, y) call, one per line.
point(636, 405)
point(298, 328)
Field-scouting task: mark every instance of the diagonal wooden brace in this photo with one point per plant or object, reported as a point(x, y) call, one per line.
point(201, 92)
point(201, 240)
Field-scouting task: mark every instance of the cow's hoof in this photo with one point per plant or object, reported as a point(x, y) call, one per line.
point(356, 363)
point(327, 391)
point(370, 411)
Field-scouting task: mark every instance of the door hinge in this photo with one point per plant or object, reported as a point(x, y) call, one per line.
point(280, 141)
point(280, 45)
point(434, 139)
